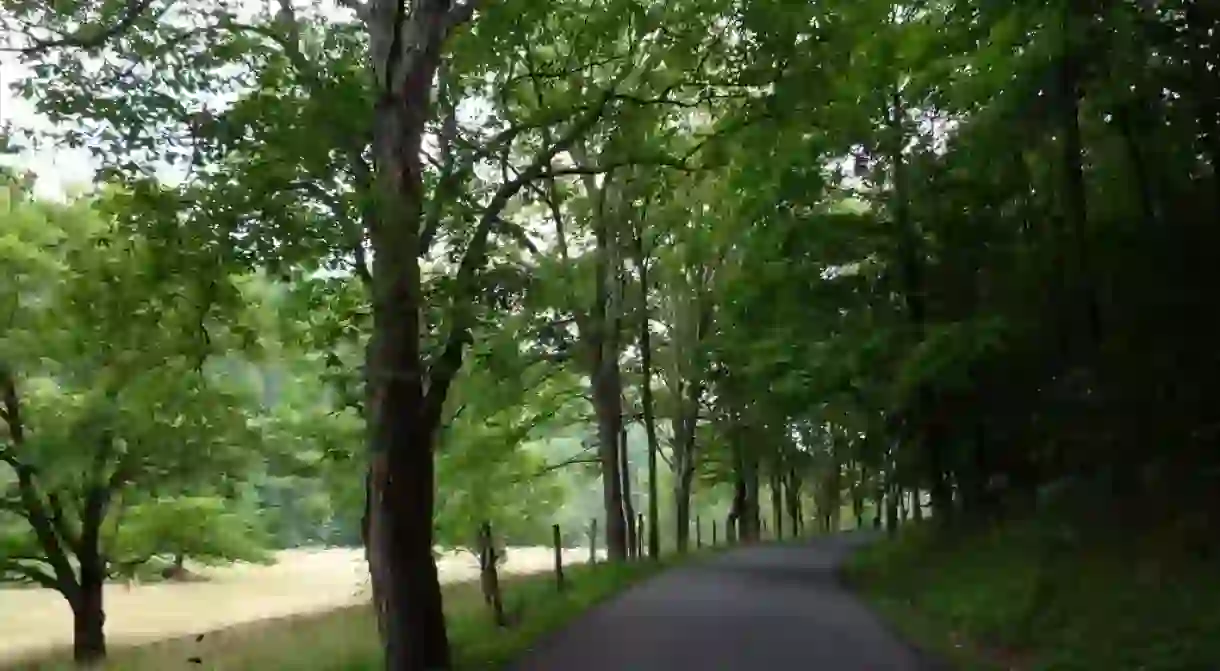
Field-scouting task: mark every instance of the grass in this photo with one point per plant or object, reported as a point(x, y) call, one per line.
point(345, 639)
point(1023, 597)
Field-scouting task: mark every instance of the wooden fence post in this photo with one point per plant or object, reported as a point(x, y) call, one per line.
point(558, 556)
point(489, 580)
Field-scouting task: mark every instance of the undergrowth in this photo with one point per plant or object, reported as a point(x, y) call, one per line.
point(1048, 595)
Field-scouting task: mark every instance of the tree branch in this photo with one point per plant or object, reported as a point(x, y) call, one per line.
point(35, 512)
point(32, 573)
point(442, 372)
point(449, 174)
point(92, 37)
point(571, 461)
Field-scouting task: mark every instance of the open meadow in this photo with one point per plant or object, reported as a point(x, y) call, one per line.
point(33, 621)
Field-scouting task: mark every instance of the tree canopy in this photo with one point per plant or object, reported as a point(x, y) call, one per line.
point(853, 251)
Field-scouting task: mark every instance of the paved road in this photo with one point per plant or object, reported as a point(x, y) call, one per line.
point(760, 608)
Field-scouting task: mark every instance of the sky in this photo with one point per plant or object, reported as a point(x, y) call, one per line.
point(58, 169)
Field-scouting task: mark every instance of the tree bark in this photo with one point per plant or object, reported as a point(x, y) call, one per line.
point(650, 422)
point(633, 530)
point(682, 494)
point(406, 40)
point(777, 505)
point(88, 619)
point(607, 376)
point(1075, 201)
point(606, 400)
point(793, 493)
point(745, 501)
point(891, 512)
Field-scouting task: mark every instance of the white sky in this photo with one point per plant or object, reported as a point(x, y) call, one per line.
point(59, 169)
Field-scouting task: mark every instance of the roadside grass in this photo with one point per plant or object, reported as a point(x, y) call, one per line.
point(1036, 596)
point(345, 639)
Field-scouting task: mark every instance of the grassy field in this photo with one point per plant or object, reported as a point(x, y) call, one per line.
point(33, 621)
point(345, 638)
point(1023, 597)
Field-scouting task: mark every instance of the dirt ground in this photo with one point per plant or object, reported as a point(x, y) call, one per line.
point(301, 581)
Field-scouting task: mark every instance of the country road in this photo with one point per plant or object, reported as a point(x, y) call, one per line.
point(762, 607)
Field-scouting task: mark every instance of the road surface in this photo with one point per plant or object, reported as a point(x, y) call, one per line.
point(765, 607)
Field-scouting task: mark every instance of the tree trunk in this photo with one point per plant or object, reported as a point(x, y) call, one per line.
point(1075, 202)
point(88, 620)
point(891, 511)
point(607, 378)
point(402, 418)
point(593, 541)
point(633, 541)
point(406, 588)
point(607, 401)
point(911, 257)
point(793, 492)
point(88, 613)
point(736, 519)
point(682, 494)
point(777, 506)
point(650, 422)
point(684, 464)
point(745, 501)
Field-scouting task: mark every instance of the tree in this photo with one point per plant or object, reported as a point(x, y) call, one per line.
point(105, 390)
point(375, 185)
point(206, 529)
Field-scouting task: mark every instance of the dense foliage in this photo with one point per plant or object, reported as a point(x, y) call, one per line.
point(859, 254)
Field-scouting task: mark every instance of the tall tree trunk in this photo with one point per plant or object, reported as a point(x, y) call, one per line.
point(607, 404)
point(735, 525)
point(607, 375)
point(682, 497)
point(749, 521)
point(926, 427)
point(1075, 203)
point(403, 418)
point(688, 392)
point(633, 529)
point(793, 492)
point(684, 461)
point(650, 420)
point(891, 511)
point(777, 505)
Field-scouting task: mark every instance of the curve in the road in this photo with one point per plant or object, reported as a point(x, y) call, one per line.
point(752, 609)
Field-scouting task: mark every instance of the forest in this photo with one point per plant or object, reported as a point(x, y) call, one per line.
point(380, 272)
